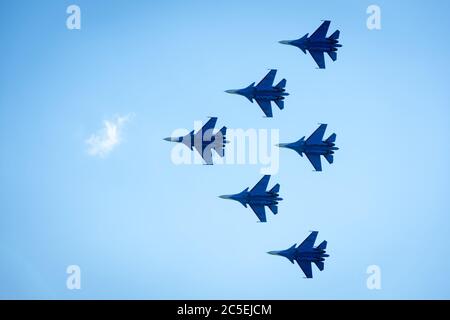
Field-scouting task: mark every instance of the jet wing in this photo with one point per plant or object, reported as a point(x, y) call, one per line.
point(206, 153)
point(206, 131)
point(261, 186)
point(260, 211)
point(317, 136)
point(266, 107)
point(315, 161)
point(308, 243)
point(267, 82)
point(321, 32)
point(306, 268)
point(318, 58)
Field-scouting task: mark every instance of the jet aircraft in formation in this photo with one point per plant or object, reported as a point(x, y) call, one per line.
point(305, 254)
point(318, 43)
point(205, 140)
point(258, 198)
point(265, 92)
point(314, 147)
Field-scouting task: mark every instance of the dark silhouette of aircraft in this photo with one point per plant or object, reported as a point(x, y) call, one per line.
point(314, 147)
point(264, 92)
point(318, 43)
point(305, 254)
point(258, 198)
point(204, 141)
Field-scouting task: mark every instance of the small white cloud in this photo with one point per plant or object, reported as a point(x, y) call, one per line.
point(107, 138)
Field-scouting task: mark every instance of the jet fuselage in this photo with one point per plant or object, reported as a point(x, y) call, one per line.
point(294, 253)
point(325, 45)
point(302, 147)
point(246, 197)
point(252, 92)
point(190, 141)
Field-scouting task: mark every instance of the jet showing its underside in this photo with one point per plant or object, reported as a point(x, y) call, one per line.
point(265, 92)
point(205, 140)
point(314, 147)
point(258, 198)
point(305, 254)
point(318, 43)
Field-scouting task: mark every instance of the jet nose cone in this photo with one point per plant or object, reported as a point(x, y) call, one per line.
point(282, 145)
point(274, 253)
point(171, 139)
point(225, 197)
point(232, 91)
point(285, 42)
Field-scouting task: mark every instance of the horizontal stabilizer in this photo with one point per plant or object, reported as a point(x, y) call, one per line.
point(333, 55)
point(332, 138)
point(322, 246)
point(280, 104)
point(223, 132)
point(274, 208)
point(275, 189)
point(320, 265)
point(335, 35)
point(329, 158)
point(220, 141)
point(281, 84)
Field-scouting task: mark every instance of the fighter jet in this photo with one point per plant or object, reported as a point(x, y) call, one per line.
point(264, 92)
point(318, 43)
point(314, 147)
point(258, 198)
point(204, 141)
point(305, 254)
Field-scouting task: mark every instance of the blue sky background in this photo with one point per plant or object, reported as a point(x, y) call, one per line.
point(141, 227)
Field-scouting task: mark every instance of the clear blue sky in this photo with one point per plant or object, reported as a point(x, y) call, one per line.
point(141, 227)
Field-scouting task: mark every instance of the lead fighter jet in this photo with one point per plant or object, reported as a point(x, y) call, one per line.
point(264, 92)
point(314, 147)
point(204, 141)
point(318, 43)
point(305, 254)
point(258, 198)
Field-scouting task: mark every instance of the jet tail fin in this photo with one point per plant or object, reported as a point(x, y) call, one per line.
point(333, 55)
point(280, 104)
point(332, 138)
point(335, 35)
point(275, 189)
point(329, 158)
point(323, 245)
point(320, 265)
point(281, 84)
point(273, 208)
